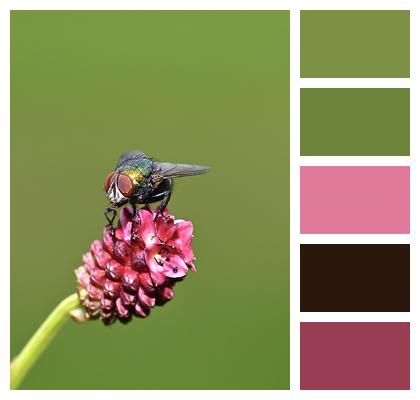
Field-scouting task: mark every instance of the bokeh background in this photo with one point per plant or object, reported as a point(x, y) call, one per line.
point(203, 87)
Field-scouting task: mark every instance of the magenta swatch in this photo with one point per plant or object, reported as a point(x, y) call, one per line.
point(354, 355)
point(355, 200)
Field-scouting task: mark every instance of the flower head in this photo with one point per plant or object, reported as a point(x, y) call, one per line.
point(134, 268)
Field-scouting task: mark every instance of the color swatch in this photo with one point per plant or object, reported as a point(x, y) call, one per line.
point(355, 122)
point(355, 277)
point(355, 355)
point(355, 44)
point(355, 200)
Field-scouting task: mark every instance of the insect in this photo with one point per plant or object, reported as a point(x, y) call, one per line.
point(138, 179)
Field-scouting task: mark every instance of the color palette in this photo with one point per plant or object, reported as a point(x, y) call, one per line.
point(355, 277)
point(362, 203)
point(355, 200)
point(355, 122)
point(355, 44)
point(355, 355)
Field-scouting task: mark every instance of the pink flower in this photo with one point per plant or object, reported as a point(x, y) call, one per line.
point(134, 269)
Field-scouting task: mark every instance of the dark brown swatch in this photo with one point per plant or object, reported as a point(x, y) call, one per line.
point(354, 277)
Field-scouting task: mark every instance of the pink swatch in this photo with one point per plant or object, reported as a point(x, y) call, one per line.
point(355, 355)
point(355, 200)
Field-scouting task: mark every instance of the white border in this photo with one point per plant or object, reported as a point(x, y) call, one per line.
point(355, 83)
point(354, 316)
point(355, 160)
point(294, 198)
point(5, 198)
point(355, 239)
point(296, 83)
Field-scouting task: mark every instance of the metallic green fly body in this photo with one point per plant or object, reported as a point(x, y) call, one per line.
point(138, 179)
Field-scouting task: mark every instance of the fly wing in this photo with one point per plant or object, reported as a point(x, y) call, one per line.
point(131, 155)
point(170, 170)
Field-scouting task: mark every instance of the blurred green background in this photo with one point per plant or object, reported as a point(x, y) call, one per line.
point(204, 87)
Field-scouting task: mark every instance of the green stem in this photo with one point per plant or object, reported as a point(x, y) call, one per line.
point(40, 340)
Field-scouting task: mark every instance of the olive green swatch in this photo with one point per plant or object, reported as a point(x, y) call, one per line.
point(355, 44)
point(355, 122)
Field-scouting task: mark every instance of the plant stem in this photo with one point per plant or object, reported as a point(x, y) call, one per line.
point(40, 340)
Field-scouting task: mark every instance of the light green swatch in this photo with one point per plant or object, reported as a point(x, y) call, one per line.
point(355, 44)
point(355, 122)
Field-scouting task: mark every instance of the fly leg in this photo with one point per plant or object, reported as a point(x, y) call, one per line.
point(134, 220)
point(162, 193)
point(111, 220)
point(166, 197)
point(159, 211)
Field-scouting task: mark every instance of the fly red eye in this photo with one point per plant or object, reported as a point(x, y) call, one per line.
point(108, 180)
point(125, 185)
